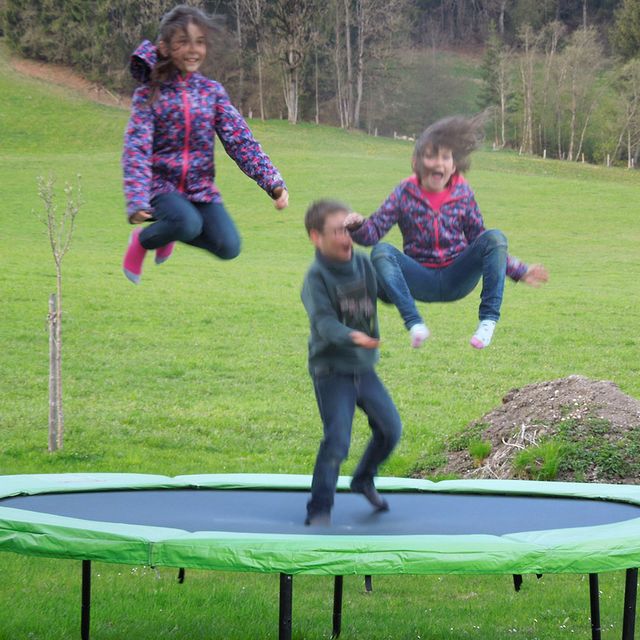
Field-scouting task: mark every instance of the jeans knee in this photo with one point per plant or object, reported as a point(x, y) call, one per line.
point(188, 228)
point(382, 251)
point(335, 450)
point(494, 238)
point(229, 250)
point(393, 437)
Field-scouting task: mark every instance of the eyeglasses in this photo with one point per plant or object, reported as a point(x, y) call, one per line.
point(337, 232)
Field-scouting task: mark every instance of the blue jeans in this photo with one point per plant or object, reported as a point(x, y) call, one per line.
point(338, 395)
point(206, 225)
point(402, 280)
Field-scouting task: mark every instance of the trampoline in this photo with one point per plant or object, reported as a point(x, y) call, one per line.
point(254, 523)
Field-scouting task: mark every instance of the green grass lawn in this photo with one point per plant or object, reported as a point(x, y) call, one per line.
point(202, 368)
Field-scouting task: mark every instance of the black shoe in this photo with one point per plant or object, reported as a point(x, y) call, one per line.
point(368, 490)
point(318, 520)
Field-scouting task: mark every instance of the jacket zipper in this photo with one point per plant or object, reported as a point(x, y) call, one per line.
point(187, 134)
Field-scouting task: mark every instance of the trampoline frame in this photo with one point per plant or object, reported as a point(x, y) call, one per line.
point(25, 533)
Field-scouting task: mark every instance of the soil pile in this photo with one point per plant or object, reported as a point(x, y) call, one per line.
point(574, 429)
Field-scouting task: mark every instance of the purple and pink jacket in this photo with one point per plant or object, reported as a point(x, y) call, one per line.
point(169, 142)
point(432, 238)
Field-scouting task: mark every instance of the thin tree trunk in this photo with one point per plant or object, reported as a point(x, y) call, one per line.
point(359, 65)
point(503, 7)
point(583, 133)
point(53, 393)
point(58, 359)
point(503, 118)
point(260, 89)
point(339, 82)
point(241, 65)
point(347, 41)
point(572, 125)
point(317, 100)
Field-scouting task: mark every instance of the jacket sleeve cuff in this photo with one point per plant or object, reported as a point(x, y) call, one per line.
point(274, 187)
point(516, 269)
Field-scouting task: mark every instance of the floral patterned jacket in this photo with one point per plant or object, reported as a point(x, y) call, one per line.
point(169, 141)
point(432, 238)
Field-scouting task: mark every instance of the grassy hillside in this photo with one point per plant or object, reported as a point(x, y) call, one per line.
point(202, 368)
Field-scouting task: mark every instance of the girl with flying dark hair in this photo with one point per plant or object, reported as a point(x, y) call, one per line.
point(446, 246)
point(168, 158)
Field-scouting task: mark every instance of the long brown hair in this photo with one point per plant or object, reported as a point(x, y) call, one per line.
point(176, 21)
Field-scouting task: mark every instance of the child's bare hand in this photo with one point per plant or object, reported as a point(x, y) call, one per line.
point(536, 275)
point(363, 340)
point(353, 221)
point(281, 198)
point(139, 217)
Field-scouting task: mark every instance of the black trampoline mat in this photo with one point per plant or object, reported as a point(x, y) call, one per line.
point(283, 512)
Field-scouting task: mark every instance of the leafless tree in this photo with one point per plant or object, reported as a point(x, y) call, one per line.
point(552, 79)
point(254, 12)
point(527, 66)
point(582, 59)
point(237, 10)
point(363, 32)
point(504, 82)
point(60, 231)
point(628, 85)
point(292, 23)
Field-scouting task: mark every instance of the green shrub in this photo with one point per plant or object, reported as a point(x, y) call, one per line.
point(461, 441)
point(479, 450)
point(540, 462)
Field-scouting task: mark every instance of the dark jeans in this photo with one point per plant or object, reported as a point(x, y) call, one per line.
point(338, 395)
point(206, 225)
point(402, 280)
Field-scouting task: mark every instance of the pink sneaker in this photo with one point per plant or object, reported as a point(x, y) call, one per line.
point(134, 257)
point(164, 253)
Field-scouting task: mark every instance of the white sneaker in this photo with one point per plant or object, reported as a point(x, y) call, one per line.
point(482, 337)
point(418, 333)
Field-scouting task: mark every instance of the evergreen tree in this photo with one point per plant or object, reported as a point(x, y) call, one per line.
point(489, 94)
point(625, 34)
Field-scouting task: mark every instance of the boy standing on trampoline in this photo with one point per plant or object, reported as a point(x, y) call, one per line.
point(339, 295)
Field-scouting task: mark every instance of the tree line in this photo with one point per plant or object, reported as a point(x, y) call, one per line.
point(573, 95)
point(561, 77)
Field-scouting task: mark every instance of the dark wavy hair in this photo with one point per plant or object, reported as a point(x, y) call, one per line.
point(176, 21)
point(460, 134)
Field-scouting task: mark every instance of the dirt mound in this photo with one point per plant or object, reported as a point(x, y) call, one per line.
point(573, 429)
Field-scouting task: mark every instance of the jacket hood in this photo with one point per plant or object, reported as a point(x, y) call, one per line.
point(143, 60)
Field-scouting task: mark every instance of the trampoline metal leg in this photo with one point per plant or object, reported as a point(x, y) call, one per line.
point(368, 586)
point(181, 573)
point(337, 606)
point(286, 600)
point(594, 599)
point(85, 612)
point(517, 581)
point(630, 598)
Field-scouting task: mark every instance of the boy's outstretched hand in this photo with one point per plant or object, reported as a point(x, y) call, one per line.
point(536, 275)
point(353, 221)
point(363, 340)
point(281, 198)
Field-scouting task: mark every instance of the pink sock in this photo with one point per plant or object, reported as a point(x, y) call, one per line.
point(134, 257)
point(164, 253)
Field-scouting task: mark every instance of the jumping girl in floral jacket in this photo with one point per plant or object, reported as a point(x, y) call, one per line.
point(168, 157)
point(446, 247)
